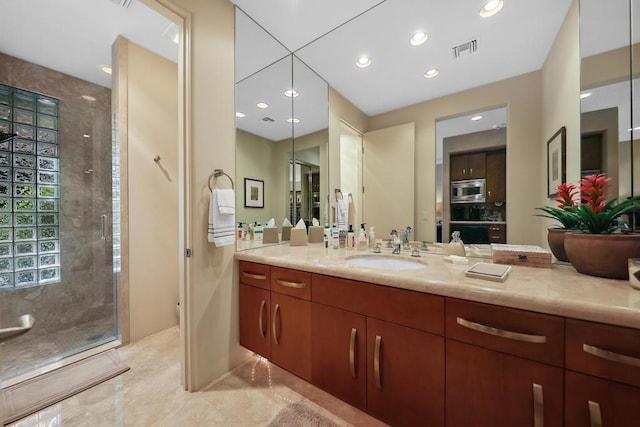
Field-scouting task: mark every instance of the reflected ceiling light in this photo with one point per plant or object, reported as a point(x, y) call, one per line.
point(291, 93)
point(418, 38)
point(106, 69)
point(293, 120)
point(262, 105)
point(239, 114)
point(585, 95)
point(86, 135)
point(476, 118)
point(431, 73)
point(635, 128)
point(88, 98)
point(45, 101)
point(363, 62)
point(491, 8)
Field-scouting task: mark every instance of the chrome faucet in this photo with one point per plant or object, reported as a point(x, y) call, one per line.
point(405, 237)
point(396, 242)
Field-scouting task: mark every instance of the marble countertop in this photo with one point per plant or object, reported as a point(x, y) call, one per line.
point(559, 290)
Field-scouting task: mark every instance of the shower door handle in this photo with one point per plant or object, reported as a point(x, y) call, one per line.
point(103, 227)
point(26, 323)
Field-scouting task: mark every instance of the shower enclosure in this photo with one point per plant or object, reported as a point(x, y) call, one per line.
point(56, 214)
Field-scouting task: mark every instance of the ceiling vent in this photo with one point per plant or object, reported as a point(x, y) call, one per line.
point(267, 119)
point(465, 49)
point(123, 3)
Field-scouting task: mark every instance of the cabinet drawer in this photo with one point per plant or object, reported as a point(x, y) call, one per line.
point(291, 282)
point(605, 351)
point(409, 308)
point(254, 274)
point(498, 233)
point(534, 336)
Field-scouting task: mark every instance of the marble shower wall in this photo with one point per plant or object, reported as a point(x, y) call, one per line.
point(86, 292)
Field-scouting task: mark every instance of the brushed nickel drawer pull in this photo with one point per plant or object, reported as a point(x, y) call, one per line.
point(376, 362)
point(254, 276)
point(594, 414)
point(538, 406)
point(610, 355)
point(536, 339)
point(288, 284)
point(262, 332)
point(274, 323)
point(352, 352)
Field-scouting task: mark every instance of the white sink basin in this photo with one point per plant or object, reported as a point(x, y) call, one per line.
point(385, 262)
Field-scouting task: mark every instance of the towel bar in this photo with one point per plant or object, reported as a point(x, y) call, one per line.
point(216, 174)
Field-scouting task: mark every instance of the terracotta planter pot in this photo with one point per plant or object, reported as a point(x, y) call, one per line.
point(602, 255)
point(555, 237)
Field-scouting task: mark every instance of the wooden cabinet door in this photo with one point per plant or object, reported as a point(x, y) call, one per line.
point(593, 401)
point(255, 333)
point(476, 165)
point(496, 176)
point(488, 388)
point(338, 354)
point(405, 375)
point(458, 167)
point(291, 334)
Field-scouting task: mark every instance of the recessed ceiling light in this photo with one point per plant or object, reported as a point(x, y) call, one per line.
point(45, 101)
point(291, 93)
point(585, 95)
point(106, 69)
point(239, 114)
point(86, 135)
point(262, 105)
point(431, 73)
point(476, 118)
point(418, 38)
point(293, 120)
point(635, 128)
point(363, 62)
point(88, 98)
point(491, 8)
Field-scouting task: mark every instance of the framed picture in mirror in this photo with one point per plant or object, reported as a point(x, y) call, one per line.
point(253, 193)
point(556, 161)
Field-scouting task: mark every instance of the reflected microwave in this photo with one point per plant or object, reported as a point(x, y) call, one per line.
point(469, 191)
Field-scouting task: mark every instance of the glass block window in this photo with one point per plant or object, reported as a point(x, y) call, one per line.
point(29, 190)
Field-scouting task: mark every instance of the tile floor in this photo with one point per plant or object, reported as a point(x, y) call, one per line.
point(255, 394)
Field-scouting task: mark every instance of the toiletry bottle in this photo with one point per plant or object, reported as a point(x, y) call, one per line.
point(258, 232)
point(351, 238)
point(240, 231)
point(456, 246)
point(372, 237)
point(343, 238)
point(327, 235)
point(335, 236)
point(363, 242)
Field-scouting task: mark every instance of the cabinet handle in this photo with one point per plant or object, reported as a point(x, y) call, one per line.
point(254, 276)
point(464, 172)
point(352, 352)
point(470, 171)
point(376, 362)
point(537, 339)
point(262, 332)
point(296, 285)
point(273, 323)
point(103, 227)
point(610, 355)
point(489, 193)
point(538, 406)
point(594, 414)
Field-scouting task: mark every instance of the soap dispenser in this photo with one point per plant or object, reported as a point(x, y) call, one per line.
point(372, 237)
point(363, 242)
point(455, 246)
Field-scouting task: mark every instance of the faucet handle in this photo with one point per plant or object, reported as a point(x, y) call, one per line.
point(378, 248)
point(415, 252)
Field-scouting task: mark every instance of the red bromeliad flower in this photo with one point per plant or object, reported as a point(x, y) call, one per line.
point(566, 194)
point(593, 188)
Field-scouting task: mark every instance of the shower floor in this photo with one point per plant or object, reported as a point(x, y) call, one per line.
point(29, 352)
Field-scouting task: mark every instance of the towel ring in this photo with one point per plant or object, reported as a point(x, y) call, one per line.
point(216, 174)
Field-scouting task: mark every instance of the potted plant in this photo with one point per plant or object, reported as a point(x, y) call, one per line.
point(565, 214)
point(602, 248)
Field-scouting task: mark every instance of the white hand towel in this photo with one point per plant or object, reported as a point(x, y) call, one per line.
point(342, 211)
point(221, 230)
point(226, 202)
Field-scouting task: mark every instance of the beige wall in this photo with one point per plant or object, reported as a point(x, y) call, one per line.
point(147, 109)
point(522, 96)
point(561, 101)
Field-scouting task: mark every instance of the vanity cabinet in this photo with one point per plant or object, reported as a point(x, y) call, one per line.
point(603, 375)
point(497, 233)
point(503, 366)
point(255, 304)
point(496, 176)
point(467, 166)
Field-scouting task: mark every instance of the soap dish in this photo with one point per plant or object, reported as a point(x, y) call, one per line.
point(486, 271)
